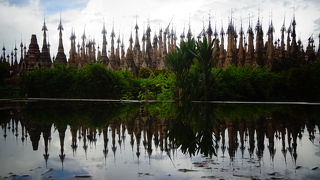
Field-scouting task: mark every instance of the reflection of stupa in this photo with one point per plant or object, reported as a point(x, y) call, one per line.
point(250, 136)
point(62, 130)
point(46, 132)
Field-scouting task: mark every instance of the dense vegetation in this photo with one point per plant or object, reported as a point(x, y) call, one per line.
point(190, 76)
point(95, 81)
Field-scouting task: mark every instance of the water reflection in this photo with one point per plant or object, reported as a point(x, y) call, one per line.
point(215, 131)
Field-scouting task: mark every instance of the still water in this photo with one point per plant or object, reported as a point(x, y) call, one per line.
point(158, 141)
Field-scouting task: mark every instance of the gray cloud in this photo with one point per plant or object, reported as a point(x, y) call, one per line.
point(317, 24)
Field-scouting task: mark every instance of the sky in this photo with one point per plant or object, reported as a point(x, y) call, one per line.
point(22, 18)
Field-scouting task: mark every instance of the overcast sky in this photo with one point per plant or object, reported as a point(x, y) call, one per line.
point(21, 18)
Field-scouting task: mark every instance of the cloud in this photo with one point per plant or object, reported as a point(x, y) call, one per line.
point(317, 24)
point(23, 19)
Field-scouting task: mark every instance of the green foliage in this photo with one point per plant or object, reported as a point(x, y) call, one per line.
point(243, 83)
point(91, 81)
point(158, 87)
point(192, 63)
point(195, 80)
point(301, 83)
point(179, 62)
point(95, 81)
point(145, 72)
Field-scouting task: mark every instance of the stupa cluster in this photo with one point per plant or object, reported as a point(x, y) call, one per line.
point(242, 48)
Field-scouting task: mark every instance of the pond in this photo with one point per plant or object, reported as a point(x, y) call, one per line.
point(87, 140)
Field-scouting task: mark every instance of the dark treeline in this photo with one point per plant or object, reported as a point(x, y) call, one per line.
point(191, 75)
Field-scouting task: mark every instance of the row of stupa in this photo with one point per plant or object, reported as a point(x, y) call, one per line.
point(241, 49)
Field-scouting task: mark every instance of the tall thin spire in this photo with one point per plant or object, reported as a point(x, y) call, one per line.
point(83, 47)
point(73, 52)
point(259, 42)
point(112, 35)
point(282, 47)
point(21, 51)
point(104, 41)
point(209, 30)
point(104, 57)
point(182, 36)
point(250, 53)
point(44, 29)
point(294, 47)
point(241, 52)
point(136, 44)
point(222, 54)
point(15, 54)
point(61, 57)
point(4, 52)
point(270, 47)
point(45, 59)
point(130, 41)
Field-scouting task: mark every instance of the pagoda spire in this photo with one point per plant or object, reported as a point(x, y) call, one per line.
point(118, 47)
point(122, 50)
point(230, 47)
point(215, 34)
point(21, 51)
point(136, 44)
point(24, 51)
point(241, 52)
point(222, 54)
point(4, 53)
point(270, 48)
point(112, 35)
point(148, 33)
point(160, 43)
point(44, 29)
point(288, 39)
point(104, 41)
point(130, 41)
point(216, 54)
point(11, 58)
point(61, 57)
point(104, 56)
point(250, 53)
point(165, 41)
point(259, 43)
point(45, 59)
point(189, 34)
point(155, 50)
point(72, 52)
point(282, 47)
point(48, 45)
point(318, 54)
point(209, 30)
point(182, 36)
point(15, 55)
point(294, 47)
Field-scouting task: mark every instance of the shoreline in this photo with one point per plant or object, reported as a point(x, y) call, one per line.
point(156, 101)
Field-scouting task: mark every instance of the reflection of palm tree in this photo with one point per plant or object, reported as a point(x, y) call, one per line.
point(192, 140)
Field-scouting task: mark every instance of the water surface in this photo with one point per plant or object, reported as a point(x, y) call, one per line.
point(60, 140)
